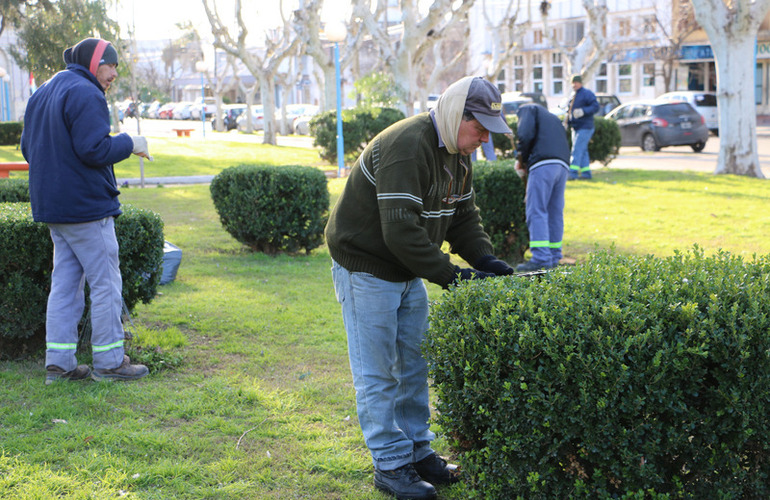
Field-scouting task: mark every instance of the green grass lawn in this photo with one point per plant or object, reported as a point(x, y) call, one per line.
point(263, 406)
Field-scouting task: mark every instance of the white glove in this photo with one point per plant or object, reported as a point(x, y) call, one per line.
point(578, 113)
point(520, 170)
point(140, 146)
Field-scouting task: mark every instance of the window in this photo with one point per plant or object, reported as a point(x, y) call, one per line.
point(557, 74)
point(537, 73)
point(648, 25)
point(601, 79)
point(538, 37)
point(624, 27)
point(573, 32)
point(624, 79)
point(648, 74)
point(518, 73)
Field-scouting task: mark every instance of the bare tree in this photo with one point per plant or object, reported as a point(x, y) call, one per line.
point(279, 44)
point(507, 34)
point(309, 29)
point(732, 28)
point(404, 49)
point(589, 53)
point(220, 85)
point(677, 25)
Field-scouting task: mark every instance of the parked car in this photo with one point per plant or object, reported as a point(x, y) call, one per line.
point(182, 111)
point(294, 111)
point(257, 119)
point(164, 112)
point(211, 108)
point(704, 103)
point(230, 114)
point(152, 110)
point(652, 125)
point(512, 101)
point(607, 102)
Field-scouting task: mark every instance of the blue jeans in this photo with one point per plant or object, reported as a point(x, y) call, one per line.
point(545, 213)
point(385, 324)
point(580, 162)
point(87, 251)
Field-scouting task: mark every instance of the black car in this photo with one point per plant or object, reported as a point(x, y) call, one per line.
point(230, 114)
point(653, 125)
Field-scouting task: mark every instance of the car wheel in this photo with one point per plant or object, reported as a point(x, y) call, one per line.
point(698, 146)
point(649, 144)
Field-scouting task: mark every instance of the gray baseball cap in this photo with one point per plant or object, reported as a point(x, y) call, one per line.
point(485, 103)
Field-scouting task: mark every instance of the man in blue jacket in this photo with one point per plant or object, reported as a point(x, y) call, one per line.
point(67, 143)
point(582, 108)
point(542, 156)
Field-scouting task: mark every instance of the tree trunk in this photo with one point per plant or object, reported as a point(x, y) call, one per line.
point(737, 111)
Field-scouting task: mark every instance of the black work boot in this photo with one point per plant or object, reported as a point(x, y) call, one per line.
point(404, 483)
point(54, 373)
point(436, 470)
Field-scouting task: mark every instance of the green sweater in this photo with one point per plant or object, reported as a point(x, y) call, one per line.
point(394, 214)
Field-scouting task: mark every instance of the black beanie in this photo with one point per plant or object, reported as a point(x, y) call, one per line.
point(91, 53)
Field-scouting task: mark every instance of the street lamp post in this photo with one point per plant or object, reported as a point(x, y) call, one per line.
point(201, 68)
point(335, 32)
point(4, 78)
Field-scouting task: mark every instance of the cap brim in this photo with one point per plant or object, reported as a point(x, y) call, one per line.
point(494, 124)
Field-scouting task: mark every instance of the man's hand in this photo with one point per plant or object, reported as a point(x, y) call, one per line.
point(577, 113)
point(491, 264)
point(520, 170)
point(140, 147)
point(462, 274)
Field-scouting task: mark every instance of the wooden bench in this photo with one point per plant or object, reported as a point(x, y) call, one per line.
point(182, 132)
point(6, 167)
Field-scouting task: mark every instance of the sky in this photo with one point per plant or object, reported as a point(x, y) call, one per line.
point(156, 19)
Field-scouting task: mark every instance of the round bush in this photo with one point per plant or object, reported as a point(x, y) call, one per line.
point(359, 126)
point(500, 198)
point(272, 209)
point(13, 190)
point(626, 377)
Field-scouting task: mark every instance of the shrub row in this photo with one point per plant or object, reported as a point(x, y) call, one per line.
point(359, 126)
point(10, 133)
point(26, 260)
point(603, 146)
point(500, 198)
point(272, 209)
point(627, 377)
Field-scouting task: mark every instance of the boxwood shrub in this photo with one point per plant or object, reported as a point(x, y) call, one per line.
point(626, 377)
point(12, 190)
point(603, 146)
point(10, 133)
point(500, 198)
point(26, 260)
point(272, 209)
point(359, 126)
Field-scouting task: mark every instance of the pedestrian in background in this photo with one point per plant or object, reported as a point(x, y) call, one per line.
point(67, 143)
point(580, 115)
point(542, 156)
point(411, 189)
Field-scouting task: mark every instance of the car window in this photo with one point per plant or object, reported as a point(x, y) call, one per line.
point(675, 109)
point(706, 100)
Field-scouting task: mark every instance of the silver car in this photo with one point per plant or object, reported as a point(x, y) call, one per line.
point(652, 125)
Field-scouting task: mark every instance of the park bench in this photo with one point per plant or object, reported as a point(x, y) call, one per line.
point(6, 167)
point(182, 132)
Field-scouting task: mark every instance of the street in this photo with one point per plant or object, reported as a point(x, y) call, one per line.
point(680, 158)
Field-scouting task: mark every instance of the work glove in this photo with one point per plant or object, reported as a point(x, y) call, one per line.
point(520, 171)
point(491, 264)
point(578, 113)
point(140, 146)
point(462, 274)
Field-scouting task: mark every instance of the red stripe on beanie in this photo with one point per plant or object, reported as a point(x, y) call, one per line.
point(101, 46)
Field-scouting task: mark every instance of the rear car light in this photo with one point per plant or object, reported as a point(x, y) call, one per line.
point(660, 122)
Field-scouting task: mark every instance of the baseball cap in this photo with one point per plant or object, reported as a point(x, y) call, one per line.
point(485, 103)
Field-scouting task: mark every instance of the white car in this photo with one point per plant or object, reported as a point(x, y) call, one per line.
point(257, 119)
point(704, 103)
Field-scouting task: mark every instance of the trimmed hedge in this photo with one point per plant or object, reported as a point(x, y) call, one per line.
point(359, 126)
point(272, 209)
point(500, 198)
point(10, 133)
point(603, 146)
point(626, 377)
point(13, 190)
point(26, 260)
